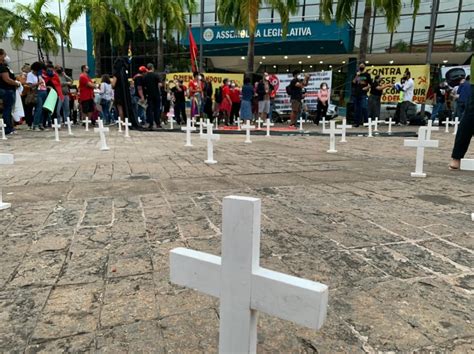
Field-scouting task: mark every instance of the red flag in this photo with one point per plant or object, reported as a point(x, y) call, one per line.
point(193, 50)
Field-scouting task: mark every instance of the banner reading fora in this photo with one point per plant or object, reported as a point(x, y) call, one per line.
point(393, 74)
point(217, 78)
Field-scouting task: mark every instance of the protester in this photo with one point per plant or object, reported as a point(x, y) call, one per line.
point(376, 91)
point(196, 87)
point(246, 102)
point(86, 92)
point(323, 103)
point(226, 104)
point(66, 83)
point(439, 99)
point(264, 90)
point(235, 98)
point(408, 89)
point(179, 91)
point(28, 108)
point(208, 89)
point(106, 94)
point(8, 86)
point(361, 84)
point(166, 98)
point(53, 81)
point(139, 102)
point(464, 93)
point(151, 82)
point(121, 87)
point(296, 94)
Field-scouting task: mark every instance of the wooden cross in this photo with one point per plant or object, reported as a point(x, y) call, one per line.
point(420, 145)
point(69, 123)
point(247, 128)
point(243, 287)
point(188, 129)
point(268, 124)
point(5, 159)
point(101, 130)
point(344, 127)
point(259, 123)
point(56, 127)
point(3, 126)
point(210, 137)
point(332, 131)
point(87, 121)
point(370, 125)
point(127, 126)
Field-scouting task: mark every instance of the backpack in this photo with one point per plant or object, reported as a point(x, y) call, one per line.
point(288, 90)
point(218, 95)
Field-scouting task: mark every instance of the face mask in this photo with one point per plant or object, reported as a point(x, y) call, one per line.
point(7, 60)
point(49, 72)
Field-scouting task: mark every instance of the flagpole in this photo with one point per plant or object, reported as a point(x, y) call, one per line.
point(201, 69)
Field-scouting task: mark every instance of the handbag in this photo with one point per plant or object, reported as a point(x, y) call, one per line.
point(31, 97)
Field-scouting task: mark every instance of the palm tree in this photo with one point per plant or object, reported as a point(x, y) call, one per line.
point(36, 21)
point(170, 15)
point(243, 14)
point(103, 19)
point(344, 10)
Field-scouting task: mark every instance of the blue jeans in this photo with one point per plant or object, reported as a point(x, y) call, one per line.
point(105, 114)
point(361, 113)
point(436, 109)
point(38, 117)
point(272, 107)
point(8, 97)
point(66, 111)
point(139, 110)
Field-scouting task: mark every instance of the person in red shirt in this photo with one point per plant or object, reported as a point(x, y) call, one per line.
point(235, 98)
point(86, 92)
point(52, 80)
point(196, 87)
point(226, 104)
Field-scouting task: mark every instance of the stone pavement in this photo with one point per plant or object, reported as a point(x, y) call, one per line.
point(84, 250)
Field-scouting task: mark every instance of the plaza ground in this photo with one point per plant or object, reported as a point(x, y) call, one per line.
point(84, 249)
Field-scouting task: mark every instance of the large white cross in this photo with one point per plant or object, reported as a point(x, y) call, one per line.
point(247, 128)
point(300, 121)
point(467, 164)
point(259, 123)
point(127, 126)
point(243, 287)
point(344, 127)
point(268, 124)
point(56, 127)
point(370, 124)
point(456, 125)
point(429, 129)
point(210, 137)
point(119, 122)
point(5, 159)
point(446, 124)
point(87, 121)
point(201, 126)
point(69, 123)
point(390, 123)
point(101, 130)
point(332, 131)
point(188, 129)
point(3, 126)
point(420, 145)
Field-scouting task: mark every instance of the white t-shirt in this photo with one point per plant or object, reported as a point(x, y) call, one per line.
point(408, 88)
point(33, 80)
point(106, 91)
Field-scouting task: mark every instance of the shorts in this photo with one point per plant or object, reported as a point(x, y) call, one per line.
point(296, 106)
point(87, 106)
point(264, 106)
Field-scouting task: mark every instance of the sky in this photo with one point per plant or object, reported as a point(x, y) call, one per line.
point(78, 30)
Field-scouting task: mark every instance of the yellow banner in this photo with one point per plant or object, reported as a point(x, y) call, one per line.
point(217, 78)
point(393, 74)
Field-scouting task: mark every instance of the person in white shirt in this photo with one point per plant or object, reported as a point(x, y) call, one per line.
point(408, 89)
point(106, 95)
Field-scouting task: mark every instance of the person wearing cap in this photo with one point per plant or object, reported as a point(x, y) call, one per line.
point(139, 102)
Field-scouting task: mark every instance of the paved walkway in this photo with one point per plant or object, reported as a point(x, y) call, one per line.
point(84, 250)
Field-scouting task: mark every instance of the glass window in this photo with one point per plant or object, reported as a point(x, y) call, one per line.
point(407, 7)
point(209, 5)
point(444, 36)
point(451, 5)
point(209, 18)
point(421, 22)
point(466, 20)
point(298, 16)
point(265, 15)
point(447, 20)
point(312, 12)
point(467, 5)
point(401, 42)
point(420, 38)
point(381, 43)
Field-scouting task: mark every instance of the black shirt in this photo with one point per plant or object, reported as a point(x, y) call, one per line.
point(440, 96)
point(362, 81)
point(373, 89)
point(296, 92)
point(178, 95)
point(5, 69)
point(151, 84)
point(138, 81)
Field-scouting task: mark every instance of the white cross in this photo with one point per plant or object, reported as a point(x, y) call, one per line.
point(332, 131)
point(268, 124)
point(5, 159)
point(376, 124)
point(171, 121)
point(119, 122)
point(242, 286)
point(344, 127)
point(446, 124)
point(69, 123)
point(456, 124)
point(127, 126)
point(301, 120)
point(390, 123)
point(467, 164)
point(56, 127)
point(370, 125)
point(247, 128)
point(210, 137)
point(259, 123)
point(429, 129)
point(3, 126)
point(87, 121)
point(188, 131)
point(323, 122)
point(193, 122)
point(101, 130)
point(217, 123)
point(201, 126)
point(239, 123)
point(420, 145)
